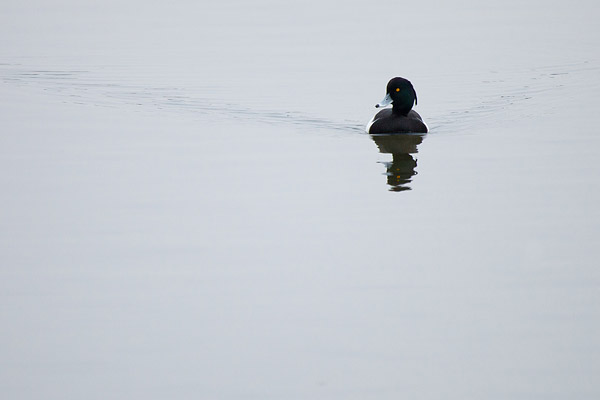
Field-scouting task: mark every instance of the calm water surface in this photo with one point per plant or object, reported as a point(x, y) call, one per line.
point(191, 208)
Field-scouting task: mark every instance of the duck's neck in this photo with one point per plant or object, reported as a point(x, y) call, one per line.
point(399, 109)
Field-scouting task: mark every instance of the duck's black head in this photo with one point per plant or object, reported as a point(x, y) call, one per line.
point(401, 94)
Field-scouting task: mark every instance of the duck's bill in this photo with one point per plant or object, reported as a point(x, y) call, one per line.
point(387, 100)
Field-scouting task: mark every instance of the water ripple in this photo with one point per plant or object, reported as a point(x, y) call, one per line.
point(93, 88)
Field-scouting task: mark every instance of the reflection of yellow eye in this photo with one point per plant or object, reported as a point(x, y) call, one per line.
point(397, 89)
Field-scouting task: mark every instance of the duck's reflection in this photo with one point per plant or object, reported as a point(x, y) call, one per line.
point(402, 167)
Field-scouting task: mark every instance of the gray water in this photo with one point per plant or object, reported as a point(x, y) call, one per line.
point(190, 207)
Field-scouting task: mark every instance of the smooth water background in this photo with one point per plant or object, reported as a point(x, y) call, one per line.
point(190, 207)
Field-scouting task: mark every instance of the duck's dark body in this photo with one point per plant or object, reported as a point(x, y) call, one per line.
point(401, 118)
point(386, 121)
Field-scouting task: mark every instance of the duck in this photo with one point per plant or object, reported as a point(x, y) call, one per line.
point(401, 118)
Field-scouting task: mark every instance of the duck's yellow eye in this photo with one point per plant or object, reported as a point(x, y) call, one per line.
point(397, 89)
